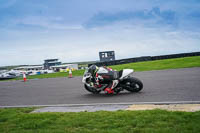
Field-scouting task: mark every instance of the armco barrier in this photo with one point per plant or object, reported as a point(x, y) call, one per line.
point(145, 58)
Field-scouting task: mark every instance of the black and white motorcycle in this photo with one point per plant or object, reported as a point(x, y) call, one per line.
point(121, 80)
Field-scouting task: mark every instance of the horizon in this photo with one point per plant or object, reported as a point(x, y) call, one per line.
point(76, 31)
point(91, 61)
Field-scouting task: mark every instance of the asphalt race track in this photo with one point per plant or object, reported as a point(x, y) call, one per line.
point(159, 86)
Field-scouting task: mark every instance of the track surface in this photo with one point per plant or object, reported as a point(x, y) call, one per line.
point(159, 86)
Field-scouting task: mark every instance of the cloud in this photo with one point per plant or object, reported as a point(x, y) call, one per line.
point(84, 46)
point(154, 15)
point(194, 15)
point(32, 30)
point(7, 3)
point(45, 22)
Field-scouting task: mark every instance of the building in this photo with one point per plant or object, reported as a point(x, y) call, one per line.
point(107, 56)
point(28, 68)
point(51, 62)
point(65, 67)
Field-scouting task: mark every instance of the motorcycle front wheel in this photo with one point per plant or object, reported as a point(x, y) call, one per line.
point(133, 84)
point(91, 89)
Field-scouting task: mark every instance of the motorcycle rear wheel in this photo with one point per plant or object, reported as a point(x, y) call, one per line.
point(91, 89)
point(133, 84)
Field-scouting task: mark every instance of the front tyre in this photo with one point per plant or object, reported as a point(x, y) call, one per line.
point(133, 84)
point(91, 89)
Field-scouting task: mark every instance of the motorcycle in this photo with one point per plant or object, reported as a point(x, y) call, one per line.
point(122, 80)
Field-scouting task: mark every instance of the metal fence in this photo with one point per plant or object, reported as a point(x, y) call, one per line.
point(144, 58)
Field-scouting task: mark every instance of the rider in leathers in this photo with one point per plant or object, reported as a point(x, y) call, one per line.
point(97, 76)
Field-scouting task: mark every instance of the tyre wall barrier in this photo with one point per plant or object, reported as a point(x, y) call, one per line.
point(145, 58)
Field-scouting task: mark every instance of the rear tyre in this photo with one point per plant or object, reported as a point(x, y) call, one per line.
point(133, 84)
point(91, 89)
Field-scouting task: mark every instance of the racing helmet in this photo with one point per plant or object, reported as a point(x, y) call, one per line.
point(93, 69)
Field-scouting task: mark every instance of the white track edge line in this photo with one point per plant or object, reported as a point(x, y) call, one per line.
point(98, 104)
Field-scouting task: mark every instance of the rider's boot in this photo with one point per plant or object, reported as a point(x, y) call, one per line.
point(109, 91)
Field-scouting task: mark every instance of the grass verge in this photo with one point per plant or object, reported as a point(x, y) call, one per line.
point(155, 121)
point(52, 75)
point(185, 62)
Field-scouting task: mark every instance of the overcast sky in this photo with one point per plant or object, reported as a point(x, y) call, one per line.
point(76, 30)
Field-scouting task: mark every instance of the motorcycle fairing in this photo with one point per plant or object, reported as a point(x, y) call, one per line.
point(126, 72)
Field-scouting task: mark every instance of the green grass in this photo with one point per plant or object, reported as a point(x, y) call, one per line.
point(185, 62)
point(155, 121)
point(53, 75)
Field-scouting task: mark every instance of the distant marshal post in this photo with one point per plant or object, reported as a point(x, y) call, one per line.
point(107, 56)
